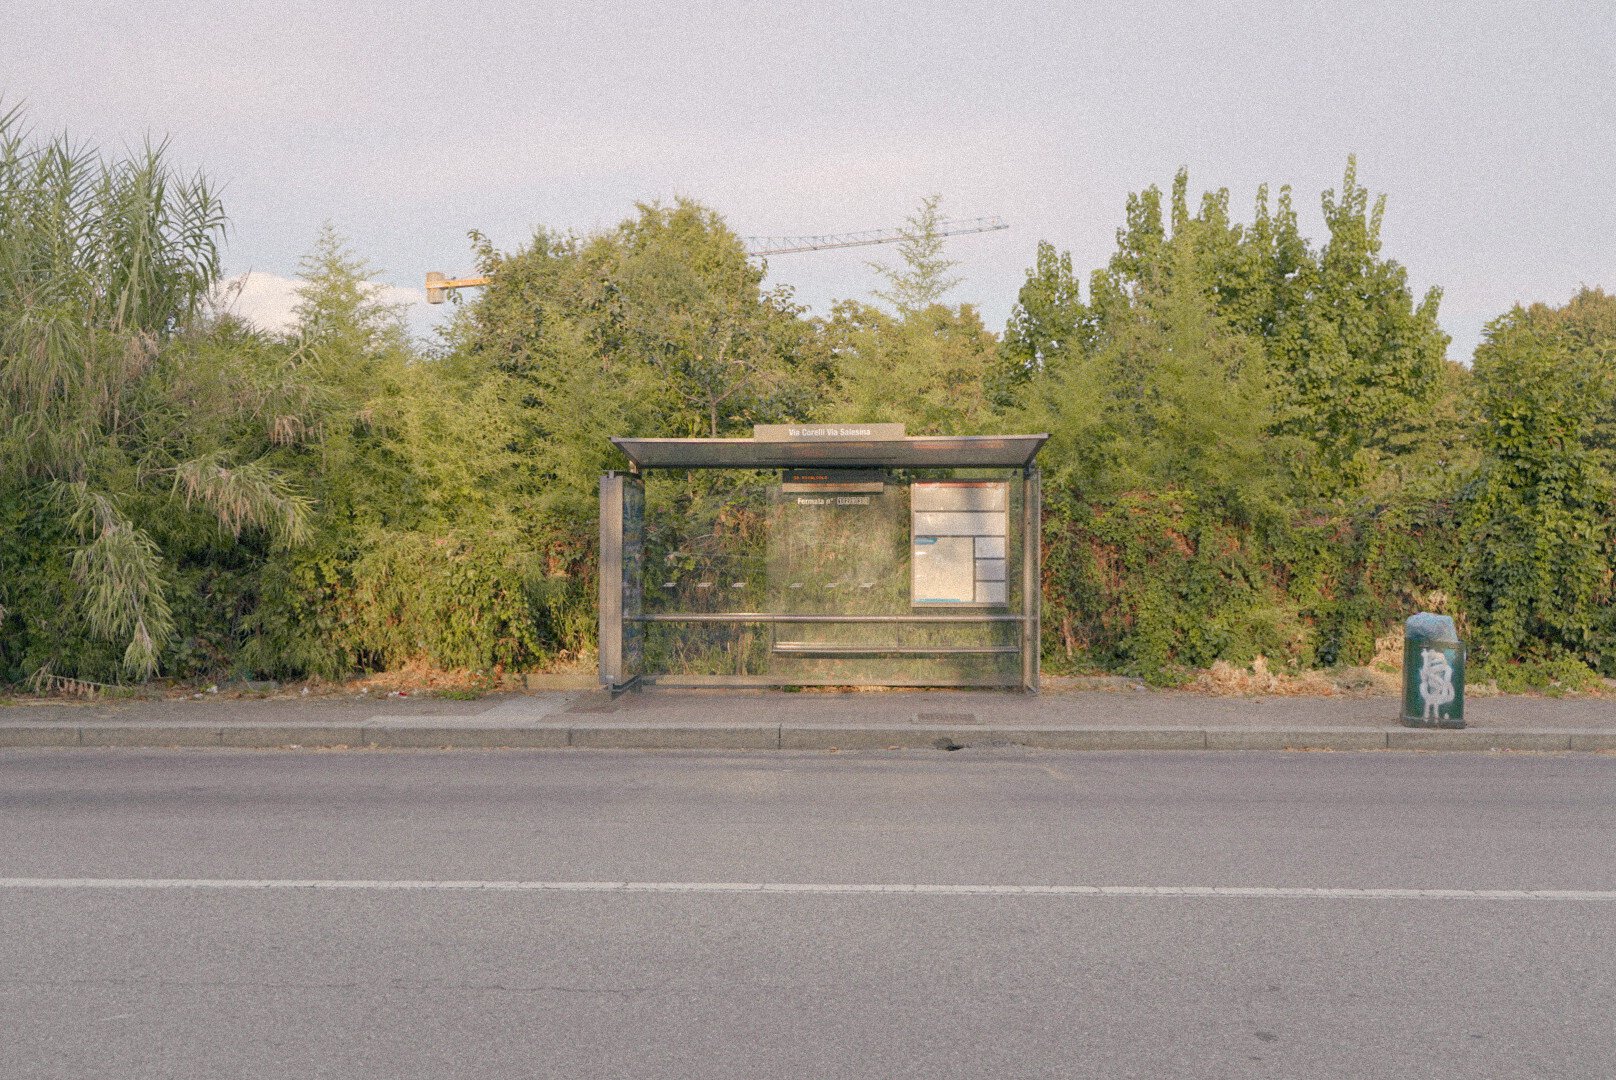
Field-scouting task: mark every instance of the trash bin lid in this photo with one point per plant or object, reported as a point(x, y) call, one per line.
point(1429, 629)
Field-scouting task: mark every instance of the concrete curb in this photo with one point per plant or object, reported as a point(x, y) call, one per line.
point(1296, 740)
point(822, 737)
point(18, 735)
point(1470, 739)
point(649, 737)
point(424, 737)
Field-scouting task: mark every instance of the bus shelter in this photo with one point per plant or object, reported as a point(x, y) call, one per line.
point(821, 555)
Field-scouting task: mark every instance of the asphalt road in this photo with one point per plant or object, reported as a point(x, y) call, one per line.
point(236, 967)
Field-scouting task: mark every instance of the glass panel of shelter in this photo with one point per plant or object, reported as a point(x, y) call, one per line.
point(834, 577)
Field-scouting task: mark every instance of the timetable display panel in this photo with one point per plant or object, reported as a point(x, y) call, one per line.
point(959, 533)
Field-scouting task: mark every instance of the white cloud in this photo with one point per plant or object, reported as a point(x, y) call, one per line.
point(268, 301)
point(265, 300)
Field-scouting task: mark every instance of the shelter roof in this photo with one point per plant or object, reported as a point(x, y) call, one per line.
point(913, 452)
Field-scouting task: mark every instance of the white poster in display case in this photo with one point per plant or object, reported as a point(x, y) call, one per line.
point(959, 532)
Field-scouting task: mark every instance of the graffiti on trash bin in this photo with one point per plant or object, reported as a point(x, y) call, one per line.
point(1436, 682)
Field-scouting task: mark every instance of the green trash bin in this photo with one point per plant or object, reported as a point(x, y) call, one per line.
point(1433, 672)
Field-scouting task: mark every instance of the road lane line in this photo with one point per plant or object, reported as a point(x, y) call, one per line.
point(1254, 892)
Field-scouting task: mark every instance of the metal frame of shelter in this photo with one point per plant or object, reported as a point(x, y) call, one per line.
point(1001, 638)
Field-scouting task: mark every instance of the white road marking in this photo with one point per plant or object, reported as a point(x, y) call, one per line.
point(810, 889)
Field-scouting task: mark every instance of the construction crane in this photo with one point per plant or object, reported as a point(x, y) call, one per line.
point(790, 245)
point(438, 286)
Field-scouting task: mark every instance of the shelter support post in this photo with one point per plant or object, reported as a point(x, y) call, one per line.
point(622, 524)
point(1032, 592)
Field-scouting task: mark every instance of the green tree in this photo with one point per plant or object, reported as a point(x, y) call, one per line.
point(1192, 398)
point(660, 326)
point(1048, 322)
point(336, 390)
point(340, 309)
point(1355, 354)
point(104, 265)
point(926, 364)
point(672, 310)
point(923, 275)
point(1539, 548)
point(1356, 364)
point(1170, 398)
point(930, 369)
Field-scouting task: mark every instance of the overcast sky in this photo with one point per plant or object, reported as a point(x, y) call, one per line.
point(1490, 126)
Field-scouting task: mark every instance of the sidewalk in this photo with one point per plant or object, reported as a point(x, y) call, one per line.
point(1063, 719)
